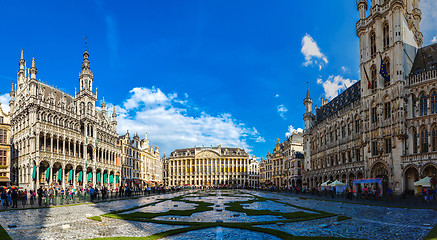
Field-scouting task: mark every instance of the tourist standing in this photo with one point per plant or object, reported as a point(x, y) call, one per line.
point(14, 196)
point(40, 193)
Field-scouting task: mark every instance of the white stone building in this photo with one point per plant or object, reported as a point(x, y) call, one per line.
point(59, 139)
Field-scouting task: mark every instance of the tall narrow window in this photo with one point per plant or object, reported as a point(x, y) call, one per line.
point(414, 107)
point(388, 145)
point(372, 44)
point(424, 141)
point(374, 77)
point(387, 67)
point(386, 36)
point(387, 110)
point(415, 142)
point(423, 105)
point(434, 102)
point(374, 116)
point(433, 139)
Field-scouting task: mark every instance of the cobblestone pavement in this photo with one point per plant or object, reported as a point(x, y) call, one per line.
point(367, 222)
point(71, 222)
point(222, 233)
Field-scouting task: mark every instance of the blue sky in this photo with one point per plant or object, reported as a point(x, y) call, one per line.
point(194, 72)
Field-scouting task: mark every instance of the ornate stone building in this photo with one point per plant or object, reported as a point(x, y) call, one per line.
point(141, 164)
point(253, 172)
point(208, 166)
point(59, 139)
point(277, 169)
point(382, 126)
point(5, 148)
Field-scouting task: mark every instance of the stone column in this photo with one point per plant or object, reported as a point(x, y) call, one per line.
point(74, 176)
point(37, 177)
point(94, 172)
point(63, 176)
point(51, 175)
point(45, 142)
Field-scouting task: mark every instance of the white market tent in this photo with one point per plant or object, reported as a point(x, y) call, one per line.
point(424, 182)
point(339, 186)
point(325, 184)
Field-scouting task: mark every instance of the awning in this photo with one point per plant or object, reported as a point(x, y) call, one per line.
point(90, 177)
point(60, 174)
point(80, 179)
point(111, 178)
point(34, 172)
point(48, 173)
point(105, 178)
point(70, 175)
point(98, 177)
point(117, 179)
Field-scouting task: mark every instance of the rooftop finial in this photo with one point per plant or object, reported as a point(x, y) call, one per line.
point(33, 61)
point(22, 54)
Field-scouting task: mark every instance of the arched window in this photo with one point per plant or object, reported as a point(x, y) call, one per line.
point(434, 139)
point(423, 105)
point(434, 102)
point(424, 141)
point(373, 77)
point(372, 44)
point(387, 67)
point(386, 32)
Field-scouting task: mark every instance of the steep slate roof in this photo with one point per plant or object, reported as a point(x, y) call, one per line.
point(350, 95)
point(426, 60)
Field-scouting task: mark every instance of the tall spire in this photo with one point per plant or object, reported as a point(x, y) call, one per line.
point(308, 93)
point(86, 76)
point(33, 69)
point(114, 115)
point(22, 55)
point(103, 105)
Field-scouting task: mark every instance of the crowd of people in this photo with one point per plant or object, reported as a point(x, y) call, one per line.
point(45, 196)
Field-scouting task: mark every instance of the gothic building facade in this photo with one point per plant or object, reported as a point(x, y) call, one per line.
point(59, 139)
point(282, 167)
point(384, 125)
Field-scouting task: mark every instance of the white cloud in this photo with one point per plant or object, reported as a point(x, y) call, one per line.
point(4, 102)
point(434, 39)
point(169, 125)
point(312, 52)
point(334, 84)
point(277, 95)
point(282, 110)
point(344, 69)
point(292, 130)
point(429, 18)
